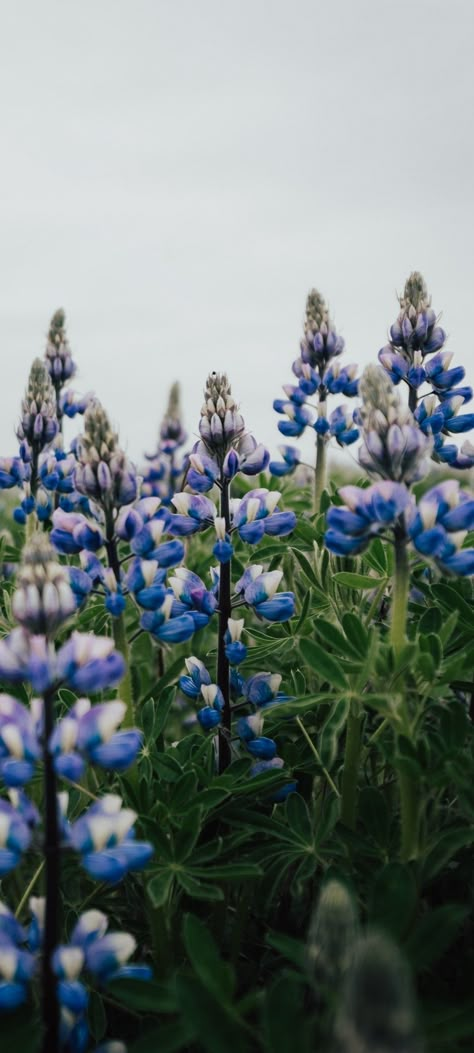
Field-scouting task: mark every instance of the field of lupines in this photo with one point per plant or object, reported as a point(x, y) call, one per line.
point(236, 748)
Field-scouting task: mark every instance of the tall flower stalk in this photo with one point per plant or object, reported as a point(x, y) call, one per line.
point(319, 374)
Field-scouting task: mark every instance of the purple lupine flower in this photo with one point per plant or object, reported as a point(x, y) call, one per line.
point(89, 663)
point(17, 965)
point(72, 402)
point(13, 472)
point(15, 837)
point(58, 353)
point(235, 650)
point(259, 590)
point(166, 467)
point(291, 458)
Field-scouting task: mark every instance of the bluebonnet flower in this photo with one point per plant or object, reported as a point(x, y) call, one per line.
point(393, 445)
point(225, 447)
point(12, 472)
point(439, 525)
point(166, 466)
point(252, 517)
point(105, 839)
point(319, 373)
point(85, 663)
point(235, 650)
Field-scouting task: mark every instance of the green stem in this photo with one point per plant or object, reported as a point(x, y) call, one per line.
point(29, 888)
point(401, 583)
point(319, 472)
point(351, 769)
point(125, 687)
point(317, 756)
point(409, 814)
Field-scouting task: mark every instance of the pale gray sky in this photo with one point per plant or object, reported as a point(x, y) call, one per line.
point(178, 173)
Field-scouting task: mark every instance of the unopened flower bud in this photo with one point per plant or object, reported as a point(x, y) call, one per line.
point(43, 599)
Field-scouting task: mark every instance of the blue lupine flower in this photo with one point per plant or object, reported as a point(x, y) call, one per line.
point(276, 764)
point(260, 592)
point(235, 650)
point(291, 458)
point(193, 512)
point(165, 470)
point(105, 839)
point(415, 329)
point(210, 715)
point(15, 837)
point(257, 514)
point(19, 746)
point(146, 580)
point(366, 513)
point(12, 472)
point(191, 591)
point(58, 353)
point(169, 626)
point(71, 402)
point(89, 734)
point(17, 965)
point(89, 663)
point(439, 524)
point(72, 532)
point(198, 675)
point(342, 426)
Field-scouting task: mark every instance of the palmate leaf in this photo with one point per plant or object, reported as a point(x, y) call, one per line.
point(214, 973)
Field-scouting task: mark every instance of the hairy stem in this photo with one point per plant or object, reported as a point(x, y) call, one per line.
point(225, 610)
point(51, 852)
point(351, 769)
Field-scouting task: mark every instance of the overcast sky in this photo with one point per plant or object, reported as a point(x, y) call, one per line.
point(178, 173)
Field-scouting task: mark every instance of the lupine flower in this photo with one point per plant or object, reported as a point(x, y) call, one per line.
point(15, 836)
point(366, 513)
point(88, 734)
point(38, 425)
point(43, 600)
point(19, 746)
point(290, 460)
point(393, 445)
point(105, 839)
point(17, 965)
point(72, 533)
point(252, 517)
point(415, 336)
point(72, 402)
point(103, 471)
point(439, 525)
point(13, 472)
point(172, 622)
point(332, 933)
point(89, 663)
point(235, 650)
point(58, 353)
point(259, 590)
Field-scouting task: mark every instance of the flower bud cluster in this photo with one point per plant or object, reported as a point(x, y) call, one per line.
point(38, 424)
point(103, 472)
point(58, 353)
point(393, 445)
point(43, 599)
point(320, 374)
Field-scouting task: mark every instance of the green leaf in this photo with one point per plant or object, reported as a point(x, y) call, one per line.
point(446, 846)
point(21, 1031)
point(298, 817)
point(167, 767)
point(228, 871)
point(198, 889)
point(96, 1016)
point(333, 636)
point(216, 1027)
point(285, 1025)
point(356, 633)
point(323, 663)
point(215, 974)
point(167, 1038)
point(158, 887)
point(331, 730)
point(394, 898)
point(144, 996)
point(305, 567)
point(294, 951)
point(434, 933)
point(453, 601)
point(358, 581)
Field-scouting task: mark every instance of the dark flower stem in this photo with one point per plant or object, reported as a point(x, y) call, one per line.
point(412, 399)
point(225, 610)
point(51, 851)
